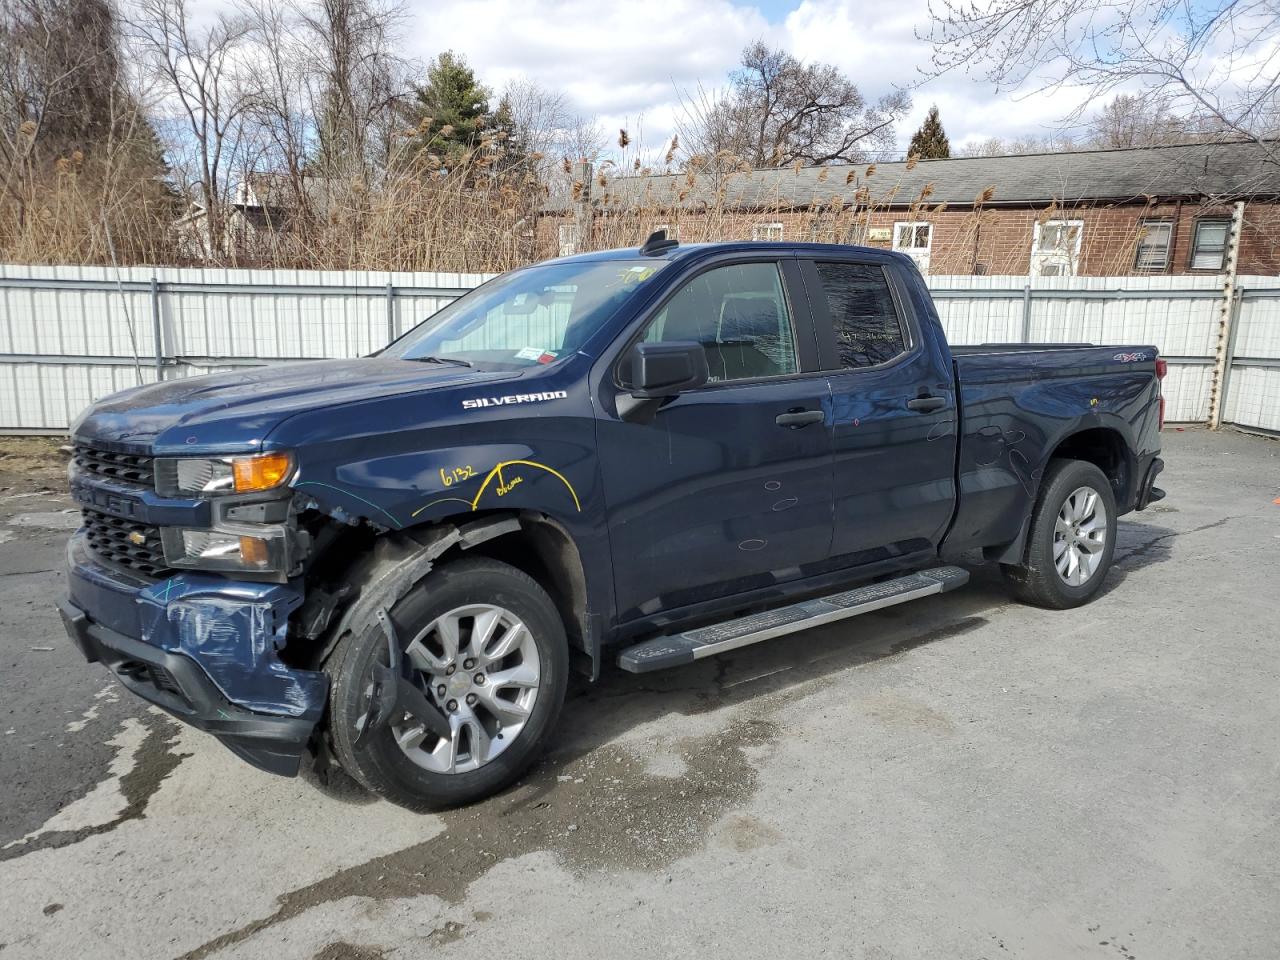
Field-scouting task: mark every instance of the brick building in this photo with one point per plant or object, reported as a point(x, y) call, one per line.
point(1153, 210)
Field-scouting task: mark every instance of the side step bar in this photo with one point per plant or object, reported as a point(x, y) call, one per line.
point(682, 648)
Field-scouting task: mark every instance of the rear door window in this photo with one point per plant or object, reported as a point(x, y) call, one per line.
point(868, 330)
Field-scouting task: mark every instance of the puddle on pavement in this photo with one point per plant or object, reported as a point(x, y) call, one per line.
point(134, 778)
point(609, 812)
point(600, 802)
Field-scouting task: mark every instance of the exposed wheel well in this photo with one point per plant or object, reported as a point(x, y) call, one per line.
point(542, 549)
point(355, 566)
point(1104, 448)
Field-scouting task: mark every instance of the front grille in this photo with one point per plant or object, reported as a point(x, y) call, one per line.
point(113, 539)
point(130, 468)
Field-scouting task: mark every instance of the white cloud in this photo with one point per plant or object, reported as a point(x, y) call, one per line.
point(617, 62)
point(882, 53)
point(623, 62)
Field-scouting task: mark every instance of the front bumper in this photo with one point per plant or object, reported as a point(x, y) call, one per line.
point(204, 649)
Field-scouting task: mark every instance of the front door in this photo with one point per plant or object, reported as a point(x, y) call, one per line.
point(894, 413)
point(728, 488)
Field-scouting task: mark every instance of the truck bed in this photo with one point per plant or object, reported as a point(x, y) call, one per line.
point(1019, 401)
point(1019, 362)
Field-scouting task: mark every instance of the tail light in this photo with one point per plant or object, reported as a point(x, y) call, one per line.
point(1162, 371)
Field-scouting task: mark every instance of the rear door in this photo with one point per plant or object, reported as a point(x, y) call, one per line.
point(893, 412)
point(728, 488)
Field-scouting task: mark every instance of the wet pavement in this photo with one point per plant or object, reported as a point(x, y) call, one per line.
point(957, 777)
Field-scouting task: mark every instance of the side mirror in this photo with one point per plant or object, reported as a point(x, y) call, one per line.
point(661, 370)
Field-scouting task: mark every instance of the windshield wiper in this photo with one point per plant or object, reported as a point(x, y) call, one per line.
point(454, 360)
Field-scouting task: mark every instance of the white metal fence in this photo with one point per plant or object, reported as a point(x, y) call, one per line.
point(70, 335)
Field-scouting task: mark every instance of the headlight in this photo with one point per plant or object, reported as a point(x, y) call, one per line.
point(261, 551)
point(211, 476)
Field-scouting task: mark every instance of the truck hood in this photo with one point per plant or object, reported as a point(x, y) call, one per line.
point(233, 412)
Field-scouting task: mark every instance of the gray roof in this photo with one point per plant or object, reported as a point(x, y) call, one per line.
point(1216, 170)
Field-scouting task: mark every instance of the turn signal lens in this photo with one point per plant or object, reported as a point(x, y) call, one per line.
point(253, 552)
point(226, 551)
point(261, 473)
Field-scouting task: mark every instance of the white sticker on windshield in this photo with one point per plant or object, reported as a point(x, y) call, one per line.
point(528, 353)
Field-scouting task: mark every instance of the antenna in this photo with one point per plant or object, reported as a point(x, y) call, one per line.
point(657, 244)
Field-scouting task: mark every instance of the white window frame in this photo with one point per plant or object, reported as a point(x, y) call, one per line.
point(1069, 259)
point(1143, 226)
point(768, 229)
point(567, 238)
point(920, 255)
point(1195, 243)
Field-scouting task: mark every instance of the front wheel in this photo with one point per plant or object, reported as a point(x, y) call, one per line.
point(485, 645)
point(1071, 540)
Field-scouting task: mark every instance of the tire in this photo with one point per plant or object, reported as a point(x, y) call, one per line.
point(1038, 580)
point(450, 594)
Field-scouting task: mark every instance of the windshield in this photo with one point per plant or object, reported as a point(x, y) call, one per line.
point(527, 317)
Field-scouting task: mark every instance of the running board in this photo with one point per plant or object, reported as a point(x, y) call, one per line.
point(681, 648)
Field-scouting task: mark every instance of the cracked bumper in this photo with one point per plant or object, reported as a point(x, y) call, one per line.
point(1149, 493)
point(203, 649)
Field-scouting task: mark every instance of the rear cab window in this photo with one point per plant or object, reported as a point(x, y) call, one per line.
point(863, 326)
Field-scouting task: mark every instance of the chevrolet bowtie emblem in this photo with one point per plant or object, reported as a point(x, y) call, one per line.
point(137, 537)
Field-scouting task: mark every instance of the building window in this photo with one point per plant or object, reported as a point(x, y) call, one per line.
point(568, 237)
point(1209, 246)
point(766, 231)
point(1055, 248)
point(1154, 238)
point(915, 240)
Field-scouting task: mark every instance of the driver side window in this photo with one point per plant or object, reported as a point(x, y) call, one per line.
point(739, 314)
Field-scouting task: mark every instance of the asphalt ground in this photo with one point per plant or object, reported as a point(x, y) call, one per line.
point(961, 777)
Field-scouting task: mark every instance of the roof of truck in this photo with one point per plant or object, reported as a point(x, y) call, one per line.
point(688, 251)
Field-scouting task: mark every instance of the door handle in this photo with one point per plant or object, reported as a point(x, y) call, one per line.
point(799, 418)
point(927, 404)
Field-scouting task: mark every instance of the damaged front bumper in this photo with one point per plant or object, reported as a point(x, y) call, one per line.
point(203, 648)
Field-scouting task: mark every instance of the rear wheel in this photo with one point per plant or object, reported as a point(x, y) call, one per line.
point(485, 644)
point(1071, 540)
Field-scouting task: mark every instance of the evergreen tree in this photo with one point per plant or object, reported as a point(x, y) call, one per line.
point(451, 108)
point(930, 141)
point(510, 141)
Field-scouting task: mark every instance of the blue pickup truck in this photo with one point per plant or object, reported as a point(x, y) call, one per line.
point(647, 456)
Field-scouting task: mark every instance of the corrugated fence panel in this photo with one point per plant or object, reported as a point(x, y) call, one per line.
point(971, 318)
point(95, 319)
point(1179, 315)
point(1253, 386)
point(68, 332)
point(1186, 392)
point(47, 397)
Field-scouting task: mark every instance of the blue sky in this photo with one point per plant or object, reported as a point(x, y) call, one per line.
point(623, 61)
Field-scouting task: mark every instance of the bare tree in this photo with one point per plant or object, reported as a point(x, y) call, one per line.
point(1055, 142)
point(549, 132)
point(778, 111)
point(1215, 63)
point(77, 145)
point(361, 81)
point(1129, 121)
point(203, 77)
point(323, 91)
